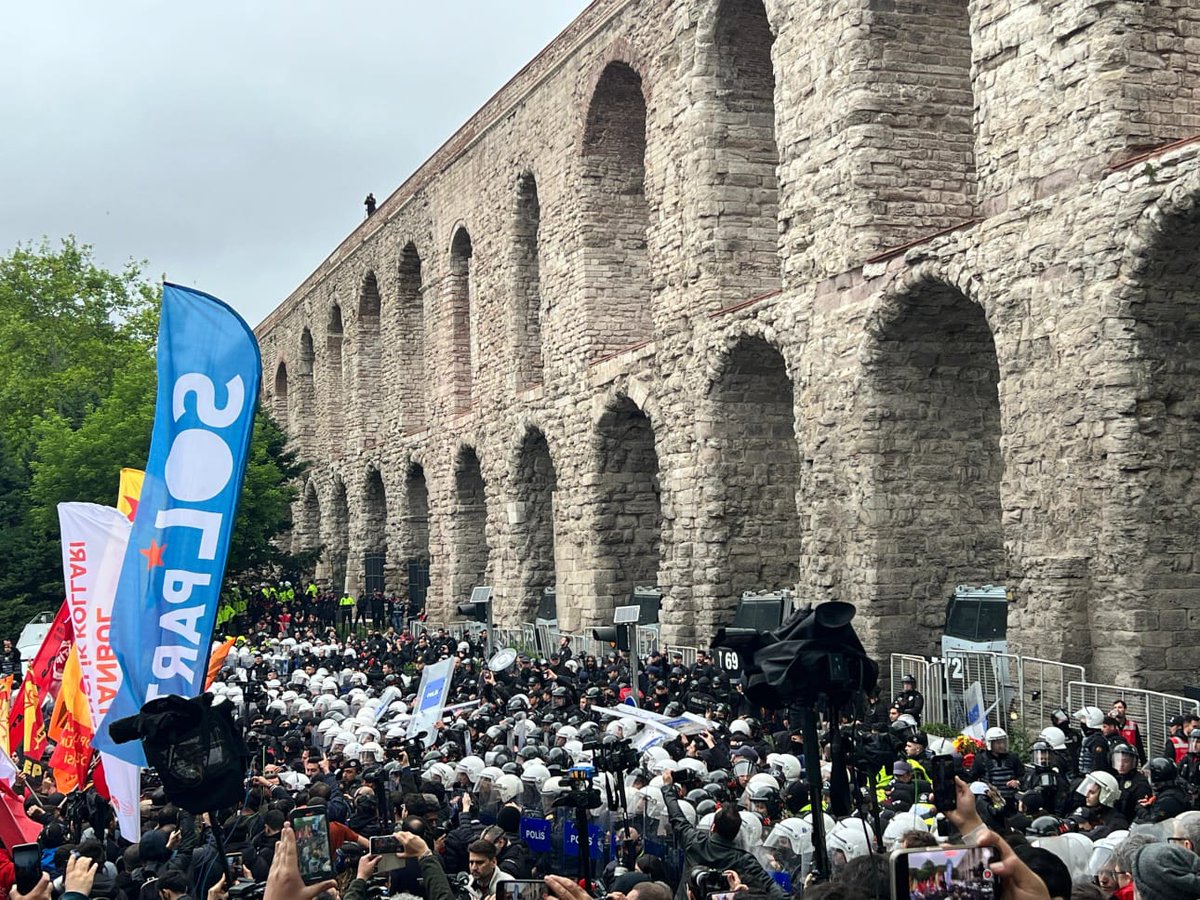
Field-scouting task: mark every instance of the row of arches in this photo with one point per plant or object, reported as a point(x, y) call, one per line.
point(931, 505)
point(614, 263)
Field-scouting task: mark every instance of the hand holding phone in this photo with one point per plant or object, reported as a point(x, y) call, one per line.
point(314, 853)
point(947, 871)
point(27, 859)
point(945, 791)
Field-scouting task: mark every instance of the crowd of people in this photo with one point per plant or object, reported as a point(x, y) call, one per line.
point(694, 795)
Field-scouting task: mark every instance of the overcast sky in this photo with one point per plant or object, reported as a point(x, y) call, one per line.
point(230, 144)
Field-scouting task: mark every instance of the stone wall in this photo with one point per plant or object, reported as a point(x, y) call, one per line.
point(869, 296)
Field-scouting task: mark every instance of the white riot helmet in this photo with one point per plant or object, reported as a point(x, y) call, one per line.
point(508, 787)
point(1105, 783)
point(1090, 716)
point(850, 837)
point(739, 726)
point(790, 843)
point(784, 766)
point(371, 752)
point(442, 773)
point(750, 834)
point(1054, 736)
point(909, 820)
point(470, 766)
point(994, 735)
point(535, 774)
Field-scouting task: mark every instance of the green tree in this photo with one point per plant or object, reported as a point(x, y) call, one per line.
point(86, 338)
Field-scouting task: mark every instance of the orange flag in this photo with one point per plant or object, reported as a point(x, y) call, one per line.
point(72, 702)
point(6, 684)
point(34, 736)
point(218, 660)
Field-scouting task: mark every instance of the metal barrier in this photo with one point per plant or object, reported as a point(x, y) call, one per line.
point(1149, 709)
point(929, 678)
point(1021, 690)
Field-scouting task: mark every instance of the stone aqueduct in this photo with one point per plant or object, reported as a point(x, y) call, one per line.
point(872, 297)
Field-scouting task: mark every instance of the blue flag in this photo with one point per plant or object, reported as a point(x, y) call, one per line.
point(166, 602)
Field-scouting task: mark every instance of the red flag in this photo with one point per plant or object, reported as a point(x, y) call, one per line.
point(15, 827)
point(46, 670)
point(43, 678)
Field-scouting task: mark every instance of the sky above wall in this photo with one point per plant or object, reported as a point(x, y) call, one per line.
point(230, 145)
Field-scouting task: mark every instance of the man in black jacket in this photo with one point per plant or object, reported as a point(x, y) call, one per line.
point(718, 848)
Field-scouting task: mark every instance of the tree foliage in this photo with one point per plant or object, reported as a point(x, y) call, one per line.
point(77, 391)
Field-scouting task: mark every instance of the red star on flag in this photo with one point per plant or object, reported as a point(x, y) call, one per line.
point(153, 554)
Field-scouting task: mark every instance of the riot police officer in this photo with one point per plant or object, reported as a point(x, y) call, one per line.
point(1169, 798)
point(910, 700)
point(1044, 779)
point(1133, 784)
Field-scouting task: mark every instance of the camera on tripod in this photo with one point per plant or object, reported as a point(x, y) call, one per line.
point(613, 755)
point(581, 794)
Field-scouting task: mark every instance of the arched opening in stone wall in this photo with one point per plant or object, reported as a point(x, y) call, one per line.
point(757, 474)
point(337, 542)
point(415, 574)
point(932, 438)
point(280, 407)
point(335, 397)
point(527, 310)
point(469, 524)
point(413, 386)
point(369, 355)
point(307, 535)
point(534, 488)
point(615, 215)
point(629, 516)
point(306, 391)
point(746, 200)
point(460, 296)
point(1158, 457)
point(375, 521)
point(928, 179)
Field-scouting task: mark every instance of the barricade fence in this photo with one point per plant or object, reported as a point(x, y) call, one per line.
point(1023, 691)
point(1149, 709)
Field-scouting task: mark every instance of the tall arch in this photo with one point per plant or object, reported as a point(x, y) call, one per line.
point(415, 533)
point(527, 290)
point(306, 393)
point(629, 509)
point(337, 541)
point(335, 395)
point(935, 462)
point(752, 405)
point(375, 536)
point(306, 537)
point(1153, 486)
point(280, 407)
point(615, 214)
point(471, 551)
point(534, 486)
point(414, 387)
point(460, 291)
point(745, 213)
point(368, 352)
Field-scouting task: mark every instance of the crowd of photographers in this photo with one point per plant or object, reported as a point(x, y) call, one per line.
point(532, 753)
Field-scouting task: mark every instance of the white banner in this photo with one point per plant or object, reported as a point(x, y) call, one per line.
point(125, 785)
point(431, 698)
point(94, 540)
point(976, 714)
